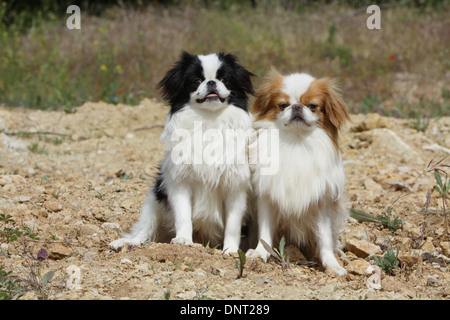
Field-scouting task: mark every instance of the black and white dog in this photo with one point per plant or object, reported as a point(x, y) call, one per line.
point(203, 185)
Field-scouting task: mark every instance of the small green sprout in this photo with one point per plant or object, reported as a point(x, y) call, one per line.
point(278, 253)
point(388, 262)
point(241, 263)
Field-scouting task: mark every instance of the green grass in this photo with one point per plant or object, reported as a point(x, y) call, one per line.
point(119, 55)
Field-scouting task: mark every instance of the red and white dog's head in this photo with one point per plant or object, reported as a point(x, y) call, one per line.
point(301, 103)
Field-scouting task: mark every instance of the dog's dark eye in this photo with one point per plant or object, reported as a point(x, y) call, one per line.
point(283, 106)
point(198, 81)
point(312, 107)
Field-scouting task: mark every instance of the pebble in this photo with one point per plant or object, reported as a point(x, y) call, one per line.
point(374, 281)
point(53, 206)
point(126, 261)
point(408, 261)
point(57, 251)
point(362, 248)
point(358, 267)
point(187, 295)
point(110, 227)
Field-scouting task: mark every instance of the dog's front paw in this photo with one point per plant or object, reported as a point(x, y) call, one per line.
point(337, 270)
point(258, 253)
point(230, 251)
point(119, 243)
point(331, 265)
point(180, 240)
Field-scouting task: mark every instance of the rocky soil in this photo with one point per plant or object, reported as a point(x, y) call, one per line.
point(82, 180)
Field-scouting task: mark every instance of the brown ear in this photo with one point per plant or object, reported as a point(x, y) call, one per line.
point(261, 106)
point(335, 107)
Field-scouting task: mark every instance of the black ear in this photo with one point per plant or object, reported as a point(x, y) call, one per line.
point(242, 75)
point(172, 85)
point(240, 82)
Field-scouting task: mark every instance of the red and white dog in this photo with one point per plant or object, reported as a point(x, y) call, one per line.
point(304, 199)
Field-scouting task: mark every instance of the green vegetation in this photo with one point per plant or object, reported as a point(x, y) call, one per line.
point(278, 253)
point(10, 288)
point(388, 262)
point(240, 264)
point(385, 219)
point(442, 187)
point(121, 51)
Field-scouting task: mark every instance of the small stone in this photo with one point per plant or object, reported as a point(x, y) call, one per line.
point(374, 281)
point(29, 295)
point(110, 227)
point(406, 244)
point(188, 295)
point(12, 179)
point(428, 246)
point(412, 230)
point(4, 248)
point(22, 199)
point(126, 261)
point(446, 247)
point(358, 232)
point(362, 248)
point(53, 206)
point(432, 280)
point(374, 189)
point(408, 260)
point(358, 267)
point(88, 229)
point(371, 295)
point(215, 271)
point(57, 251)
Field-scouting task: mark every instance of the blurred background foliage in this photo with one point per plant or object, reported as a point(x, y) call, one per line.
point(124, 47)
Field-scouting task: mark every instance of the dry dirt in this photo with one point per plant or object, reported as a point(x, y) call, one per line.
point(77, 190)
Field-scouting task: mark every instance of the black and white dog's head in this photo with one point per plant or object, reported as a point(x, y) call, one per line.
point(209, 82)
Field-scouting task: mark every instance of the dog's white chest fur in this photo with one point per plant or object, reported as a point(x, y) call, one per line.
point(208, 148)
point(310, 170)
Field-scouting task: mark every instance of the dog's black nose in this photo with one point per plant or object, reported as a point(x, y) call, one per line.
point(211, 83)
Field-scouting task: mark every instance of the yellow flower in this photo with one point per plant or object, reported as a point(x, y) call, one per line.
point(119, 69)
point(103, 68)
point(95, 43)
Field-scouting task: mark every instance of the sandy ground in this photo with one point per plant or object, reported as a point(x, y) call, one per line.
point(83, 180)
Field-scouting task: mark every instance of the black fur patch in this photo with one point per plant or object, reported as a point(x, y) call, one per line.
point(159, 189)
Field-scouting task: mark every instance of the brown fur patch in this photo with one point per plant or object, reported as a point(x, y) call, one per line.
point(331, 109)
point(268, 97)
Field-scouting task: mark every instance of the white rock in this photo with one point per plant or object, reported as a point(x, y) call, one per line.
point(187, 295)
point(374, 281)
point(111, 226)
point(126, 261)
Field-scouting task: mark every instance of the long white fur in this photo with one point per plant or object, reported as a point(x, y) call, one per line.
point(304, 200)
point(209, 200)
